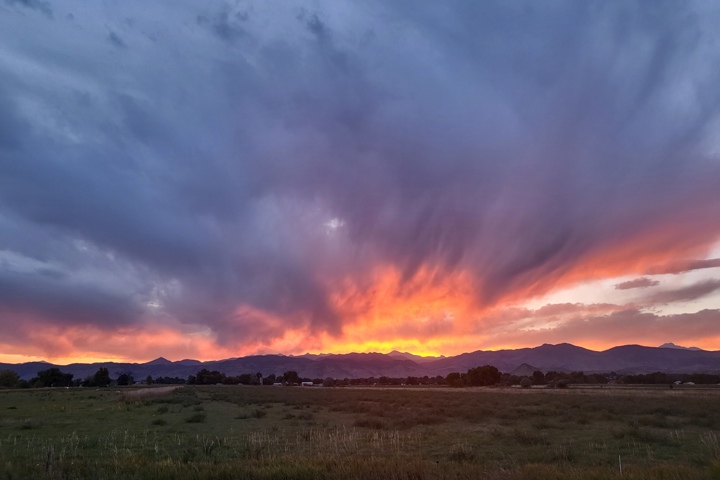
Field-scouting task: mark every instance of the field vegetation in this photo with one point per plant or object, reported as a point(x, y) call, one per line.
point(260, 432)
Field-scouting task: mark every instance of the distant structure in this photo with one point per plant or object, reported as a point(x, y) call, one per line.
point(306, 384)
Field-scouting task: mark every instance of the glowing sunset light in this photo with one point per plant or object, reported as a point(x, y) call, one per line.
point(252, 178)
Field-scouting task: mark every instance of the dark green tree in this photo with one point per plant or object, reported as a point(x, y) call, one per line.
point(52, 377)
point(455, 379)
point(101, 378)
point(483, 376)
point(206, 377)
point(9, 378)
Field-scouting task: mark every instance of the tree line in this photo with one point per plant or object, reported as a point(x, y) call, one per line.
point(486, 375)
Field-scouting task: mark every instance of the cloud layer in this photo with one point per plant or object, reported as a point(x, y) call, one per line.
point(263, 177)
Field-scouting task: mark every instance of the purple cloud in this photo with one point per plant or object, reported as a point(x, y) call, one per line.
point(642, 282)
point(267, 157)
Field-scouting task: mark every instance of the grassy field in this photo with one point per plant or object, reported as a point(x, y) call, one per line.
point(385, 433)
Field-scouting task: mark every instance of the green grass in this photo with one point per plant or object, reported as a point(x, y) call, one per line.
point(402, 433)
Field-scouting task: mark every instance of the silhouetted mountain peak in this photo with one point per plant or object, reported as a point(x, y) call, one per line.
point(413, 357)
point(524, 370)
point(680, 347)
point(160, 361)
point(189, 361)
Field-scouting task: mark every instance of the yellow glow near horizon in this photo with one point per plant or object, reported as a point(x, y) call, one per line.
point(61, 360)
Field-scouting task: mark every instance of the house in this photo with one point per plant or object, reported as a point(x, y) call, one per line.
point(306, 384)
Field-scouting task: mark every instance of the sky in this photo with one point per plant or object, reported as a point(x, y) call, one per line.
point(218, 179)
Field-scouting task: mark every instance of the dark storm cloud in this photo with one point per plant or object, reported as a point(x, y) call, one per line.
point(39, 5)
point(49, 293)
point(115, 39)
point(642, 282)
point(11, 127)
point(225, 23)
point(207, 159)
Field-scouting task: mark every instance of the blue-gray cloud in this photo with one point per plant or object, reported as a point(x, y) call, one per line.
point(40, 5)
point(205, 158)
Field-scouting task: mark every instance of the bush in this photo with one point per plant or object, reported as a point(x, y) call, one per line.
point(372, 423)
point(525, 382)
point(462, 453)
point(196, 418)
point(30, 424)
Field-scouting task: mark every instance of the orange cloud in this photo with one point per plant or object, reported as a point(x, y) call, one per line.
point(433, 312)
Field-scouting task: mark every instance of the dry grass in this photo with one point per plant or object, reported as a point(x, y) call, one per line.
point(148, 393)
point(266, 433)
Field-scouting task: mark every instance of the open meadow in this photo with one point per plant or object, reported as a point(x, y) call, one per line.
point(239, 432)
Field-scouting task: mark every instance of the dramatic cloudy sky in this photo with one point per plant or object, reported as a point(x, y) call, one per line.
point(208, 179)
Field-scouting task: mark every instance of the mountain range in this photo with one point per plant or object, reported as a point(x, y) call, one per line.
point(564, 357)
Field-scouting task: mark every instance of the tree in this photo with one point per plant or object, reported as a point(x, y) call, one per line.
point(291, 376)
point(52, 377)
point(483, 376)
point(125, 379)
point(206, 377)
point(149, 380)
point(328, 382)
point(525, 382)
point(454, 379)
point(101, 378)
point(538, 378)
point(9, 378)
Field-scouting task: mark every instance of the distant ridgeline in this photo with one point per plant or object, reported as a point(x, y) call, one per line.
point(547, 364)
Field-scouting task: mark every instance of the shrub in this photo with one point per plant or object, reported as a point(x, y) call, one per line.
point(257, 413)
point(196, 418)
point(462, 453)
point(29, 424)
point(372, 423)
